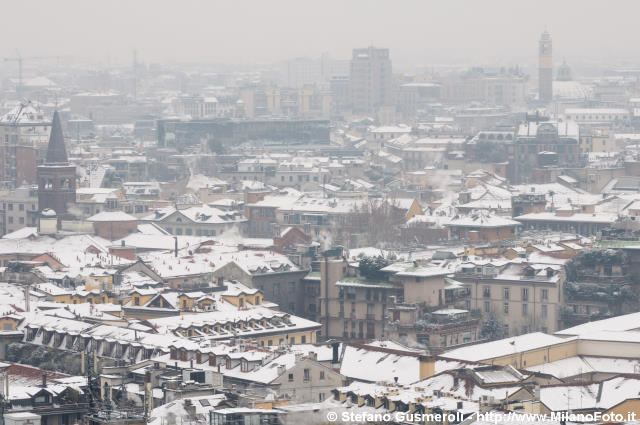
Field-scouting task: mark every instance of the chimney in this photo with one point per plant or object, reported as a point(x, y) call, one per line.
point(122, 243)
point(336, 355)
point(44, 380)
point(191, 364)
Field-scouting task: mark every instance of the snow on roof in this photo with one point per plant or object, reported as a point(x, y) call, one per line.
point(575, 218)
point(392, 345)
point(22, 233)
point(444, 384)
point(626, 322)
point(379, 365)
point(263, 373)
point(112, 216)
point(203, 214)
point(391, 129)
point(214, 257)
point(177, 409)
point(571, 90)
point(200, 181)
point(577, 365)
point(481, 219)
point(25, 113)
point(601, 396)
point(503, 347)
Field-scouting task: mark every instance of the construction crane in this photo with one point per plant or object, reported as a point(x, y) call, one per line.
point(18, 58)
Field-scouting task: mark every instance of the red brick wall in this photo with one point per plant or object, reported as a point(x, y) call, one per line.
point(113, 230)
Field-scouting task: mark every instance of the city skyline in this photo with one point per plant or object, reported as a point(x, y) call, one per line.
point(433, 33)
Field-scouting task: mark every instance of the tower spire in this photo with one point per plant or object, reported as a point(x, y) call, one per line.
point(56, 150)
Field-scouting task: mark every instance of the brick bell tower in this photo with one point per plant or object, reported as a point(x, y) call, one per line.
point(56, 177)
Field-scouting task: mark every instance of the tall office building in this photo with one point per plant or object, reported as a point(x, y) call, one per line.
point(371, 80)
point(545, 68)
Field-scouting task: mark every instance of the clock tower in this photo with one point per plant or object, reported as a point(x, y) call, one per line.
point(545, 68)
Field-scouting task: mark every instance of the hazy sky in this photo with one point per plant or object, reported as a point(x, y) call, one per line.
point(416, 31)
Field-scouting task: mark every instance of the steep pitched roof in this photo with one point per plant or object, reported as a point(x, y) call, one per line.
point(56, 151)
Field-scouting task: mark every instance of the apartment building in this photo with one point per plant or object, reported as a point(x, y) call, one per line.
point(351, 306)
point(523, 297)
point(19, 208)
point(24, 136)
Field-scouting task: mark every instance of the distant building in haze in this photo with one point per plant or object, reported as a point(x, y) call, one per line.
point(371, 80)
point(545, 68)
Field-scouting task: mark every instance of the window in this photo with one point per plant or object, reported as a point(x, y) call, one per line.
point(322, 375)
point(545, 294)
point(505, 308)
point(506, 293)
point(41, 399)
point(525, 294)
point(291, 377)
point(292, 287)
point(276, 289)
point(303, 339)
point(487, 307)
point(525, 309)
point(370, 309)
point(486, 292)
point(544, 310)
point(320, 397)
point(307, 375)
point(21, 207)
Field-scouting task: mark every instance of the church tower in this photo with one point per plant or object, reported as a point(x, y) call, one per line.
point(56, 177)
point(545, 68)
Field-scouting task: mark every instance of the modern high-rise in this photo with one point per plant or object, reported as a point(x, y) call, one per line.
point(545, 68)
point(370, 80)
